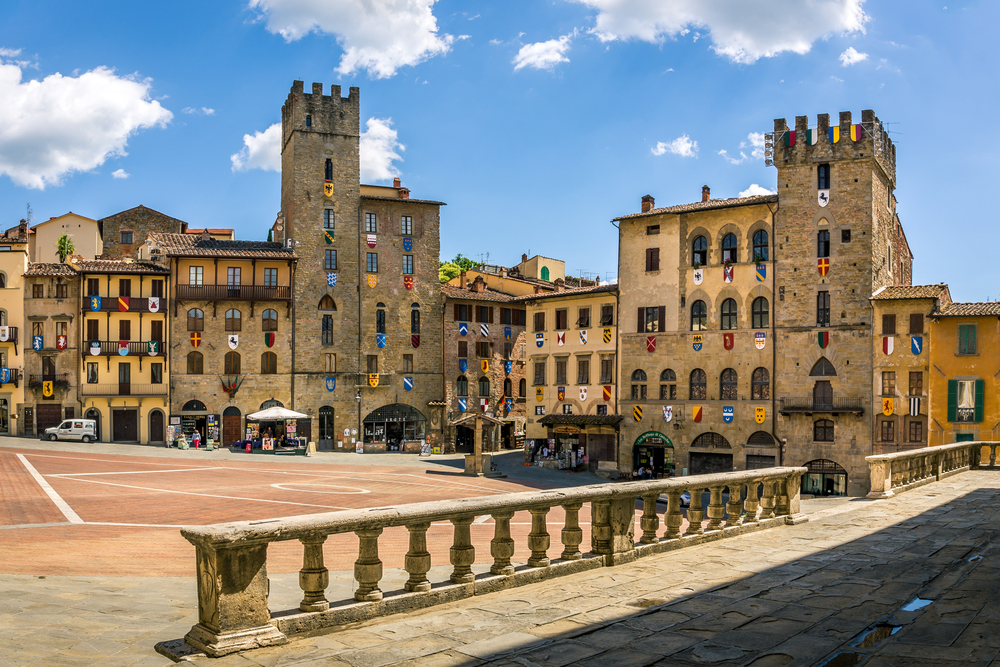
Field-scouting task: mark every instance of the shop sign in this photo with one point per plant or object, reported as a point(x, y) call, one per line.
point(653, 439)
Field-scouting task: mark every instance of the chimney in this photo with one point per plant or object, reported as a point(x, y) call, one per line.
point(461, 279)
point(396, 183)
point(560, 284)
point(538, 289)
point(524, 258)
point(479, 285)
point(648, 204)
point(404, 193)
point(706, 193)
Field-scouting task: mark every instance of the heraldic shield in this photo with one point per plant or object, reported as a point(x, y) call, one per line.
point(331, 383)
point(373, 379)
point(759, 414)
point(668, 412)
point(328, 189)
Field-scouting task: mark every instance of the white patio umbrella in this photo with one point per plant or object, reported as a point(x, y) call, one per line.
point(276, 414)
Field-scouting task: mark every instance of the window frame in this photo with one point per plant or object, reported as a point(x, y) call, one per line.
point(195, 322)
point(761, 245)
point(371, 262)
point(760, 384)
point(330, 259)
point(697, 385)
point(823, 430)
point(371, 223)
point(823, 308)
point(730, 319)
point(729, 385)
point(265, 318)
point(699, 321)
point(406, 225)
point(234, 319)
point(760, 313)
point(699, 255)
point(822, 243)
point(730, 248)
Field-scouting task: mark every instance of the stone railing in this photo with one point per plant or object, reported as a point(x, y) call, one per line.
point(902, 471)
point(231, 559)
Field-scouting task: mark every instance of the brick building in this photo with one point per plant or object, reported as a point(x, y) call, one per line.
point(124, 233)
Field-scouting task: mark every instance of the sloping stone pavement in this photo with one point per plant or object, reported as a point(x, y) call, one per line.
point(834, 587)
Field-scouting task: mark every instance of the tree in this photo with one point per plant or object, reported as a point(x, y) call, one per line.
point(270, 235)
point(464, 262)
point(65, 247)
point(447, 271)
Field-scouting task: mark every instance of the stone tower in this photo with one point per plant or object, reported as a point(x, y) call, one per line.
point(835, 237)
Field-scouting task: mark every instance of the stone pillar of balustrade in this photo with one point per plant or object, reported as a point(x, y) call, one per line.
point(368, 567)
point(716, 510)
point(462, 552)
point(674, 518)
point(613, 529)
point(538, 538)
point(572, 534)
point(502, 545)
point(650, 521)
point(696, 514)
point(417, 560)
point(313, 577)
point(734, 508)
point(881, 479)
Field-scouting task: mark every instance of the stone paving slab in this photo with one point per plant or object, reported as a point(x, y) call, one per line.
point(795, 595)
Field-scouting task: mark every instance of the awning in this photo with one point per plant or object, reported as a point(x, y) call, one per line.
point(276, 414)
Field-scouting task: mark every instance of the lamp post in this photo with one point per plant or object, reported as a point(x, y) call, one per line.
point(361, 433)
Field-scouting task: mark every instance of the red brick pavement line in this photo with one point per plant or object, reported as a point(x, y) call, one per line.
point(22, 500)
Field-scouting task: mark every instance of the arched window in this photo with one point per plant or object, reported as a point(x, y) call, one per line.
point(728, 385)
point(545, 273)
point(328, 170)
point(728, 314)
point(195, 363)
point(638, 384)
point(234, 320)
point(823, 244)
point(268, 363)
point(760, 246)
point(760, 384)
point(233, 363)
point(269, 320)
point(699, 316)
point(380, 318)
point(462, 386)
point(668, 390)
point(823, 430)
point(327, 330)
point(194, 406)
point(508, 387)
point(668, 376)
point(484, 386)
point(711, 440)
point(729, 253)
point(415, 318)
point(761, 315)
point(522, 388)
point(699, 385)
point(327, 303)
point(761, 439)
point(823, 395)
point(699, 252)
point(196, 320)
point(823, 368)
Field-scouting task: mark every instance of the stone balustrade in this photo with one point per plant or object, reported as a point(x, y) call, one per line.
point(231, 559)
point(902, 471)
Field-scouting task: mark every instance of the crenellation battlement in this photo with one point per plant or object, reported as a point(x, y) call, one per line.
point(846, 140)
point(320, 113)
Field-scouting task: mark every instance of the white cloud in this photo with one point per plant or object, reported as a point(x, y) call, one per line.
point(379, 149)
point(64, 124)
point(543, 55)
point(261, 150)
point(120, 173)
point(743, 32)
point(379, 37)
point(682, 145)
point(204, 111)
point(755, 190)
point(754, 141)
point(852, 57)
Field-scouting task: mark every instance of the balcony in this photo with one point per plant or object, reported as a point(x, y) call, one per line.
point(110, 348)
point(234, 293)
point(109, 304)
point(806, 405)
point(11, 336)
point(59, 380)
point(123, 389)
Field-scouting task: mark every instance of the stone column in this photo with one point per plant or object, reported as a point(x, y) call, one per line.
point(313, 577)
point(734, 508)
point(368, 567)
point(232, 600)
point(716, 510)
point(538, 538)
point(650, 521)
point(695, 514)
point(417, 560)
point(502, 545)
point(752, 503)
point(463, 554)
point(673, 518)
point(572, 534)
point(767, 500)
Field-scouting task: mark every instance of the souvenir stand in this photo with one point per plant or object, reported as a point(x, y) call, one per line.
point(279, 422)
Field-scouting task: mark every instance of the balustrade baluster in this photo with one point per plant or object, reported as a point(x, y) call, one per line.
point(649, 522)
point(734, 508)
point(417, 560)
point(368, 568)
point(673, 517)
point(782, 496)
point(993, 456)
point(502, 546)
point(695, 514)
point(752, 503)
point(716, 510)
point(767, 501)
point(538, 538)
point(313, 577)
point(572, 534)
point(463, 554)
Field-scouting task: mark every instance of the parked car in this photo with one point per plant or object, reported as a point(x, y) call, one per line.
point(686, 499)
point(73, 429)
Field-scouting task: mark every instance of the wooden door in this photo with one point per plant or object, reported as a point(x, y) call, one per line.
point(156, 330)
point(126, 425)
point(156, 426)
point(124, 379)
point(231, 430)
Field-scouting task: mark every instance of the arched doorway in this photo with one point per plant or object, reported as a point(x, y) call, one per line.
point(95, 414)
point(232, 426)
point(395, 425)
point(271, 403)
point(327, 429)
point(156, 426)
point(720, 460)
point(653, 451)
point(825, 478)
point(194, 417)
point(761, 451)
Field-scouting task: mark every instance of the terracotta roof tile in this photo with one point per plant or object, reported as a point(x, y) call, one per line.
point(193, 245)
point(573, 291)
point(119, 266)
point(706, 205)
point(403, 201)
point(49, 269)
point(910, 292)
point(969, 309)
point(453, 292)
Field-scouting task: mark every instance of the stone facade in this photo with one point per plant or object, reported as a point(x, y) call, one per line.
point(473, 306)
point(134, 225)
point(321, 173)
point(13, 266)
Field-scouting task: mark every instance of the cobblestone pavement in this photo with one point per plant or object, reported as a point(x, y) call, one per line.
point(844, 584)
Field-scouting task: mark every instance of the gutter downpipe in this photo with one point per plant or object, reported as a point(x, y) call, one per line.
point(618, 314)
point(361, 432)
point(774, 334)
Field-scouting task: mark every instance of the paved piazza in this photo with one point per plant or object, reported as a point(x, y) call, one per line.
point(840, 586)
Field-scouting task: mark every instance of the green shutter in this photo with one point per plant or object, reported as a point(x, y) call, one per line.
point(980, 390)
point(973, 343)
point(963, 339)
point(953, 400)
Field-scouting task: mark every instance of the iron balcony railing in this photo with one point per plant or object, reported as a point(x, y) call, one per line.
point(113, 348)
point(132, 304)
point(123, 389)
point(807, 404)
point(60, 380)
point(234, 292)
point(12, 333)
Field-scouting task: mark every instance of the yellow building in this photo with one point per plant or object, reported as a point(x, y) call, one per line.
point(83, 231)
point(963, 378)
point(571, 371)
point(13, 265)
point(124, 378)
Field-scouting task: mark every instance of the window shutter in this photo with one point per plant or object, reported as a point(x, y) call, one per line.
point(456, 312)
point(661, 325)
point(649, 259)
point(953, 400)
point(641, 326)
point(973, 344)
point(980, 390)
point(491, 314)
point(656, 259)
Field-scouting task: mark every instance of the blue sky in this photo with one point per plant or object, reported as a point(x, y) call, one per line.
point(537, 122)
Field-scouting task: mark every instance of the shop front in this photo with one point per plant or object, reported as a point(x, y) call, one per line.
point(394, 428)
point(824, 478)
point(653, 452)
point(575, 442)
point(193, 416)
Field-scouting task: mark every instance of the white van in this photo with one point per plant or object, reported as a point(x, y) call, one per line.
point(73, 429)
